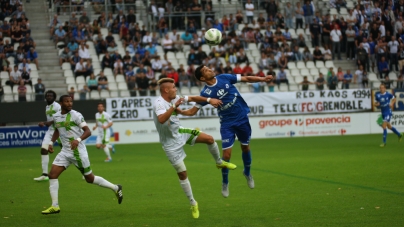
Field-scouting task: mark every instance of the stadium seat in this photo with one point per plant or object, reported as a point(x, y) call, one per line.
point(310, 65)
point(33, 67)
point(94, 95)
point(392, 76)
point(112, 86)
point(29, 89)
point(312, 86)
point(34, 76)
point(298, 79)
point(376, 84)
point(320, 64)
point(283, 87)
point(195, 90)
point(185, 91)
point(329, 64)
point(70, 80)
point(96, 65)
point(68, 73)
point(294, 72)
point(120, 78)
point(372, 77)
point(96, 72)
point(80, 80)
point(244, 88)
point(300, 65)
point(80, 86)
point(114, 94)
point(108, 71)
point(104, 94)
point(122, 86)
point(66, 66)
point(72, 85)
point(8, 98)
point(76, 96)
point(100, 57)
point(291, 65)
point(293, 87)
point(7, 90)
point(180, 55)
point(304, 72)
point(4, 76)
point(111, 78)
point(324, 71)
point(205, 48)
point(125, 94)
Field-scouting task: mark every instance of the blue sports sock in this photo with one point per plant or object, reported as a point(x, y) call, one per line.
point(225, 174)
point(395, 131)
point(384, 135)
point(247, 162)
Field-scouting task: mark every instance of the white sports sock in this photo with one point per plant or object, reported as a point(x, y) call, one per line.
point(45, 163)
point(186, 186)
point(104, 183)
point(106, 150)
point(54, 189)
point(214, 150)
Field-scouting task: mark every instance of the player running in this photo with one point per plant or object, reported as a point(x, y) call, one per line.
point(104, 123)
point(233, 116)
point(173, 137)
point(52, 108)
point(72, 129)
point(386, 101)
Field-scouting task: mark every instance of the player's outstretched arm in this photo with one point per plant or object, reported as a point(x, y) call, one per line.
point(213, 102)
point(162, 118)
point(189, 112)
point(55, 136)
point(45, 123)
point(252, 79)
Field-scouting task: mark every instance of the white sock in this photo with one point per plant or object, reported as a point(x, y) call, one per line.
point(45, 163)
point(186, 186)
point(53, 189)
point(214, 150)
point(104, 183)
point(106, 150)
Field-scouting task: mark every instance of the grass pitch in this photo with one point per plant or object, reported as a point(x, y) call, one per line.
point(314, 181)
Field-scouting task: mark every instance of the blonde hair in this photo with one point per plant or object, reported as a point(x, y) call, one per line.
point(165, 80)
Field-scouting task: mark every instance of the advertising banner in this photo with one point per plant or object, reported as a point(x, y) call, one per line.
point(28, 136)
point(397, 121)
point(276, 103)
point(399, 94)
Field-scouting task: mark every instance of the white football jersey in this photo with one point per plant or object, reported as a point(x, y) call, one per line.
point(69, 126)
point(50, 111)
point(169, 134)
point(102, 119)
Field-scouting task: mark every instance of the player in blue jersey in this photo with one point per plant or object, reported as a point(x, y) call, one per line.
point(233, 114)
point(386, 101)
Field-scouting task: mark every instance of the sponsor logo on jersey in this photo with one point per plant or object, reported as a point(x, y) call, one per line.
point(221, 93)
point(207, 91)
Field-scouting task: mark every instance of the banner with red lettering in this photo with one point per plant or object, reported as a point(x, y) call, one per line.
point(261, 104)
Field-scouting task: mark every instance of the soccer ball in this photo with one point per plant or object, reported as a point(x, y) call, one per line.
point(213, 37)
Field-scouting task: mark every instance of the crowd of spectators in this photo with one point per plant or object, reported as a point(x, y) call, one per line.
point(17, 48)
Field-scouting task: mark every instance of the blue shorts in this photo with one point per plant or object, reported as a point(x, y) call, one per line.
point(229, 133)
point(386, 117)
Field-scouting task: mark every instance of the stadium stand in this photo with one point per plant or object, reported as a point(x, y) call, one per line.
point(154, 39)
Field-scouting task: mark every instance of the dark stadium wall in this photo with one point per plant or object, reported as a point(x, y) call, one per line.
point(22, 113)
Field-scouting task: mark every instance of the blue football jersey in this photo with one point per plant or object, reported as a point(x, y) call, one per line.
point(234, 109)
point(384, 100)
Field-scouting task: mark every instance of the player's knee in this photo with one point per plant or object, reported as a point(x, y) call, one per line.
point(245, 148)
point(210, 140)
point(89, 178)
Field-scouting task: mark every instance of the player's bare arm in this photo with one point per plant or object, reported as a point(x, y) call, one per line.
point(85, 135)
point(214, 102)
point(95, 127)
point(45, 123)
point(108, 125)
point(55, 136)
point(162, 118)
point(251, 79)
point(189, 112)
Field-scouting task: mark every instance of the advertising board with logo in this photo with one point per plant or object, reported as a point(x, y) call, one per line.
point(28, 136)
point(311, 125)
point(397, 121)
point(276, 103)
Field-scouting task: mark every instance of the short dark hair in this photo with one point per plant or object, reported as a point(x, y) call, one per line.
point(50, 91)
point(101, 103)
point(198, 73)
point(62, 97)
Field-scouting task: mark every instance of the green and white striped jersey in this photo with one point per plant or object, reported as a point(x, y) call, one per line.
point(69, 126)
point(50, 111)
point(102, 119)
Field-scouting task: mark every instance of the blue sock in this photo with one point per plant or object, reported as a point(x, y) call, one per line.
point(395, 131)
point(384, 135)
point(225, 174)
point(247, 162)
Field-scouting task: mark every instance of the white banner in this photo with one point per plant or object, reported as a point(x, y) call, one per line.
point(262, 127)
point(276, 103)
point(397, 121)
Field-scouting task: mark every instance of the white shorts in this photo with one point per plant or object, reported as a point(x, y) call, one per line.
point(103, 138)
point(176, 156)
point(46, 139)
point(81, 161)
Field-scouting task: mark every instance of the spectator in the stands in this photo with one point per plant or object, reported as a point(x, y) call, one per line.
point(112, 48)
point(22, 92)
point(83, 92)
point(26, 77)
point(6, 29)
point(9, 49)
point(320, 82)
point(347, 80)
point(80, 69)
point(247, 70)
point(118, 67)
point(92, 82)
point(64, 56)
point(193, 58)
point(15, 77)
point(102, 82)
point(89, 68)
point(228, 69)
point(71, 92)
point(106, 62)
point(28, 38)
point(142, 84)
point(305, 84)
point(146, 38)
point(25, 65)
point(32, 57)
point(167, 44)
point(383, 68)
point(16, 35)
point(39, 90)
point(237, 69)
point(283, 62)
point(132, 86)
point(282, 77)
point(187, 37)
point(184, 80)
point(84, 19)
point(332, 81)
point(20, 55)
point(157, 64)
point(242, 57)
point(60, 35)
point(317, 55)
